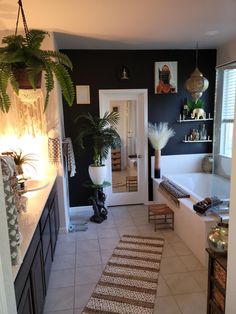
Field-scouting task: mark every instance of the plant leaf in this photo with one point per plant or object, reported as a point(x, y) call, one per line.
point(65, 82)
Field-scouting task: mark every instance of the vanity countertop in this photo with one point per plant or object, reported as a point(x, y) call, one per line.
point(28, 220)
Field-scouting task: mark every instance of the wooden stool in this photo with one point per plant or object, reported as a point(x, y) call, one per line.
point(162, 215)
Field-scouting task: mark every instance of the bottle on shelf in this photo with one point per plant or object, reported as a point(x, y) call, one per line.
point(185, 112)
point(203, 133)
point(197, 138)
point(194, 134)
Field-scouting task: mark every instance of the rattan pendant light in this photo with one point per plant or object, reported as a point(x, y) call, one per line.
point(197, 83)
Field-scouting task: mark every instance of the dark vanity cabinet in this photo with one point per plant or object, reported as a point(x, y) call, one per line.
point(26, 303)
point(37, 280)
point(31, 282)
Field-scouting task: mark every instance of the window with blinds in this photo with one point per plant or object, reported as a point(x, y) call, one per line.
point(228, 107)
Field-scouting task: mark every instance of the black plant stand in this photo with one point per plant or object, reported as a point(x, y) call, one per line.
point(98, 201)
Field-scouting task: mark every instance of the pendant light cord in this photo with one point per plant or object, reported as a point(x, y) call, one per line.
point(196, 54)
point(21, 10)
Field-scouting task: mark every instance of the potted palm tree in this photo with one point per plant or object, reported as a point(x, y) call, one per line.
point(22, 63)
point(102, 134)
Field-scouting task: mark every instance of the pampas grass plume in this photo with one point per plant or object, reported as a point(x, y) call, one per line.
point(159, 135)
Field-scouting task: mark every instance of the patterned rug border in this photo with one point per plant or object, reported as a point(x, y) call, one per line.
point(129, 281)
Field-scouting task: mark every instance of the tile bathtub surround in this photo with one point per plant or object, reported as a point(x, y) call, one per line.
point(81, 257)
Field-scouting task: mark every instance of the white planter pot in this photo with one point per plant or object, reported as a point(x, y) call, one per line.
point(97, 174)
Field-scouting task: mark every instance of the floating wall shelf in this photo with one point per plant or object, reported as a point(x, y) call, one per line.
point(200, 141)
point(194, 120)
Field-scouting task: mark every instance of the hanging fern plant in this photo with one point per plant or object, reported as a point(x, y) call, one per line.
point(22, 54)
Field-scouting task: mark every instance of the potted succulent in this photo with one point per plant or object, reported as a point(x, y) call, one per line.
point(102, 134)
point(22, 62)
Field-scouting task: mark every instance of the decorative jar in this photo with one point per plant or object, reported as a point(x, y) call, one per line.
point(218, 238)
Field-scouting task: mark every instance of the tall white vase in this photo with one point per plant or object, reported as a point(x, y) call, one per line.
point(97, 174)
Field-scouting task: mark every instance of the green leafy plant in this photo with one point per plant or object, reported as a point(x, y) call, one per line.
point(192, 104)
point(23, 52)
point(101, 132)
point(20, 159)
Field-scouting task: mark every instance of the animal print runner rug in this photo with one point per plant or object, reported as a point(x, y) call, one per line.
point(129, 281)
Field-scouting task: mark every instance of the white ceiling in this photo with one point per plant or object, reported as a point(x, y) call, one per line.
point(128, 24)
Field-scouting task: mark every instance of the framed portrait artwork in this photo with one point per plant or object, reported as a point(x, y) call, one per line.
point(166, 77)
point(82, 94)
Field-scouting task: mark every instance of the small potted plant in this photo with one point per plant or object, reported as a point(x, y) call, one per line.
point(22, 63)
point(102, 135)
point(21, 159)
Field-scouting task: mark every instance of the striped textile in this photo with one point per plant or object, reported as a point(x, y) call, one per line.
point(172, 191)
point(129, 281)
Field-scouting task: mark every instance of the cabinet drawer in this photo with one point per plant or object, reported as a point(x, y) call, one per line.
point(37, 280)
point(51, 197)
point(53, 230)
point(25, 267)
point(43, 218)
point(26, 302)
point(219, 274)
point(46, 238)
point(47, 266)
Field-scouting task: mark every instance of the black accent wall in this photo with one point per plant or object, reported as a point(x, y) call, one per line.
point(100, 69)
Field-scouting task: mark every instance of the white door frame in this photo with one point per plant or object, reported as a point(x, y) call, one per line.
point(105, 96)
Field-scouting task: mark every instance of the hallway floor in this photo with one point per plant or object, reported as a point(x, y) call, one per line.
point(81, 256)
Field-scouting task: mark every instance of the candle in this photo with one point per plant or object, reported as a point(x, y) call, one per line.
point(180, 117)
point(209, 115)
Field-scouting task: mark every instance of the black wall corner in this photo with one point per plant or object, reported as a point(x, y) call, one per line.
point(100, 69)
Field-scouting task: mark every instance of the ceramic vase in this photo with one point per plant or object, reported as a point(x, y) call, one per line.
point(157, 166)
point(218, 238)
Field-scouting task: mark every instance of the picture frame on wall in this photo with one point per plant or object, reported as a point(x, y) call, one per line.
point(82, 94)
point(166, 77)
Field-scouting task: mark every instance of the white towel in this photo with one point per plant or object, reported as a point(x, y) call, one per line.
point(68, 152)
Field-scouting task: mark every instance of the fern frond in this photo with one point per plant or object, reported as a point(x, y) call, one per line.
point(59, 56)
point(14, 83)
point(4, 78)
point(13, 40)
point(35, 38)
point(65, 82)
point(49, 83)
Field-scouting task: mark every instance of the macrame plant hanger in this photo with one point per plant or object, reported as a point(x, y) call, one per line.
point(21, 11)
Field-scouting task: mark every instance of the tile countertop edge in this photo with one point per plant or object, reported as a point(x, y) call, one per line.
point(29, 220)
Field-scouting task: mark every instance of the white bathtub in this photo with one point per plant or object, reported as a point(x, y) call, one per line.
point(191, 227)
point(200, 185)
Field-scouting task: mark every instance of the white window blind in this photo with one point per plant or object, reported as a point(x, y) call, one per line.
point(229, 95)
point(228, 107)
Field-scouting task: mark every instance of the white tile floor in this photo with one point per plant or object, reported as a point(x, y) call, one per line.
point(81, 257)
